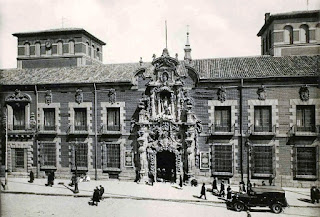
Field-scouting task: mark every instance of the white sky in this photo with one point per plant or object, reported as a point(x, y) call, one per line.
point(135, 28)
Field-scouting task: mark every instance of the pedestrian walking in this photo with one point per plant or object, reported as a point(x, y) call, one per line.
point(214, 184)
point(151, 178)
point(222, 193)
point(317, 195)
point(203, 191)
point(96, 196)
point(180, 182)
point(229, 193)
point(31, 177)
point(101, 192)
point(270, 180)
point(313, 194)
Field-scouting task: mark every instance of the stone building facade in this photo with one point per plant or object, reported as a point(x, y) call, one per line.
point(194, 118)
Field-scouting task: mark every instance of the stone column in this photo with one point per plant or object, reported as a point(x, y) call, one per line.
point(178, 99)
point(153, 106)
point(143, 142)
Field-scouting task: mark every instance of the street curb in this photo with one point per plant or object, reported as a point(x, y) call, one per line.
point(135, 198)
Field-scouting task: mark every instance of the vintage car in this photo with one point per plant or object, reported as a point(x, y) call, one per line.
point(263, 196)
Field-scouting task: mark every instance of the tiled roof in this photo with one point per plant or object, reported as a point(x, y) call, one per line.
point(218, 68)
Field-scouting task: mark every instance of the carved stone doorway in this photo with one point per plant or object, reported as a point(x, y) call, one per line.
point(166, 166)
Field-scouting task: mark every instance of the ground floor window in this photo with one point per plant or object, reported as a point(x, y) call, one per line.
point(111, 156)
point(222, 159)
point(48, 154)
point(306, 162)
point(80, 155)
point(262, 160)
point(19, 159)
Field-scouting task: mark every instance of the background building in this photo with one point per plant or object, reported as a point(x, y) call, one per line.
point(220, 117)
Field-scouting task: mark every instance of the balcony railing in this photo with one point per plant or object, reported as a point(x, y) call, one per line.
point(304, 131)
point(78, 129)
point(45, 129)
point(215, 129)
point(263, 130)
point(110, 129)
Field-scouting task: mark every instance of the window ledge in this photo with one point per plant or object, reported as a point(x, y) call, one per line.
point(111, 169)
point(306, 177)
point(222, 133)
point(305, 134)
point(261, 175)
point(48, 167)
point(263, 133)
point(108, 132)
point(47, 132)
point(222, 174)
point(80, 168)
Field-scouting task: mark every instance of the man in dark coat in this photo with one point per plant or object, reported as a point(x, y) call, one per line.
point(214, 184)
point(180, 183)
point(31, 177)
point(229, 193)
point(96, 196)
point(203, 191)
point(313, 193)
point(222, 193)
point(101, 192)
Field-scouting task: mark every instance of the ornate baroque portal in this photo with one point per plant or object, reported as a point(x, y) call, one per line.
point(167, 122)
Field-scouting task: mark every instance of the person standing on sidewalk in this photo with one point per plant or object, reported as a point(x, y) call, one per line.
point(229, 193)
point(222, 193)
point(101, 192)
point(96, 196)
point(31, 177)
point(203, 191)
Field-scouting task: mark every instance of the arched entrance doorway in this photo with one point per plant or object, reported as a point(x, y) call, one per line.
point(166, 166)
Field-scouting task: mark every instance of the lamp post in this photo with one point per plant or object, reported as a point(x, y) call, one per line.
point(76, 190)
point(248, 164)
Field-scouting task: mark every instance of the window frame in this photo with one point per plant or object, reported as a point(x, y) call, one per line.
point(303, 109)
point(218, 111)
point(114, 127)
point(217, 171)
point(53, 158)
point(259, 174)
point(262, 127)
point(105, 157)
point(296, 162)
point(84, 126)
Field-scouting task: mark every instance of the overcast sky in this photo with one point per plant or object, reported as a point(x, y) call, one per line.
point(135, 28)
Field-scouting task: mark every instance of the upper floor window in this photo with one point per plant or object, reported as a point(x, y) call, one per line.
point(19, 118)
point(92, 52)
point(80, 119)
point(60, 47)
point(306, 118)
point(222, 119)
point(37, 49)
point(49, 119)
point(27, 49)
point(113, 119)
point(288, 35)
point(304, 33)
point(87, 48)
point(262, 119)
point(71, 47)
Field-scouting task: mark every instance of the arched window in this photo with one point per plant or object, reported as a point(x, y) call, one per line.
point(87, 48)
point(71, 47)
point(37, 49)
point(59, 47)
point(27, 49)
point(288, 35)
point(92, 52)
point(304, 33)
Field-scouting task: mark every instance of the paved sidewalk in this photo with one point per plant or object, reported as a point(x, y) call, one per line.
point(296, 197)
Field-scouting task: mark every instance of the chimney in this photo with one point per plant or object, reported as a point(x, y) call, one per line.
point(266, 17)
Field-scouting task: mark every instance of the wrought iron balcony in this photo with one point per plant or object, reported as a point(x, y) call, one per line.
point(266, 130)
point(45, 129)
point(304, 130)
point(110, 129)
point(215, 129)
point(78, 129)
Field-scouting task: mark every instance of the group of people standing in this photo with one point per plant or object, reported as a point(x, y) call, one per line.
point(97, 195)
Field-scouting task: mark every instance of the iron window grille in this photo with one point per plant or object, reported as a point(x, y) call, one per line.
point(19, 157)
point(222, 158)
point(48, 154)
point(80, 151)
point(262, 119)
point(111, 156)
point(306, 161)
point(262, 160)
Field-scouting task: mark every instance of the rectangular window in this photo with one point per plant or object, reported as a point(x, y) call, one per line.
point(112, 156)
point(222, 117)
point(80, 119)
point(113, 119)
point(49, 119)
point(262, 119)
point(48, 154)
point(81, 154)
point(19, 118)
point(306, 118)
point(19, 158)
point(262, 160)
point(222, 158)
point(306, 161)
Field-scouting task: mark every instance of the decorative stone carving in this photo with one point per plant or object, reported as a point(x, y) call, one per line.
point(112, 96)
point(304, 93)
point(79, 96)
point(18, 97)
point(32, 121)
point(262, 93)
point(48, 97)
point(222, 94)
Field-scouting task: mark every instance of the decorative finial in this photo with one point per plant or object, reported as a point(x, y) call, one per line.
point(187, 48)
point(140, 61)
point(166, 36)
point(177, 56)
point(153, 56)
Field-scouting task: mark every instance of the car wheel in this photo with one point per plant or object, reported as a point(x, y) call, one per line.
point(238, 207)
point(276, 208)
